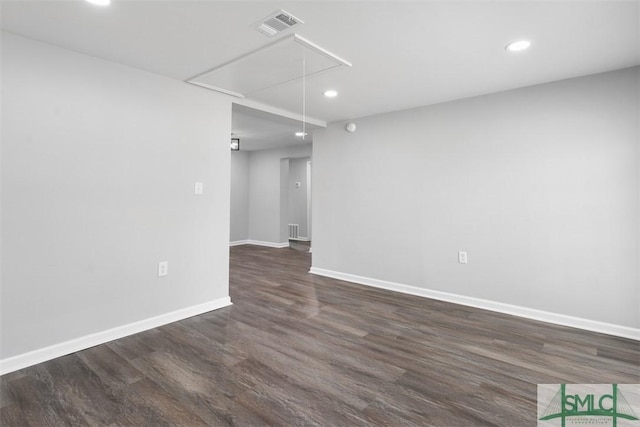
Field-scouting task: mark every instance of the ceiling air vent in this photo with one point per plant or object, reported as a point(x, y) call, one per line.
point(276, 23)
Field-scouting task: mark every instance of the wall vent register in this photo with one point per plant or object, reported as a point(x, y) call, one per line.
point(294, 231)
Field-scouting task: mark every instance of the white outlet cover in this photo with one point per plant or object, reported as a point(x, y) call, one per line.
point(199, 188)
point(462, 257)
point(163, 268)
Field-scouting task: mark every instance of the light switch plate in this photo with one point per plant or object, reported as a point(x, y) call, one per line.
point(163, 268)
point(199, 188)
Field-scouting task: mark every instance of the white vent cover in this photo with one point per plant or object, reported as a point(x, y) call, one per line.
point(294, 231)
point(276, 23)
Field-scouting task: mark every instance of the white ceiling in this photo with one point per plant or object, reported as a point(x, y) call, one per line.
point(287, 59)
point(404, 54)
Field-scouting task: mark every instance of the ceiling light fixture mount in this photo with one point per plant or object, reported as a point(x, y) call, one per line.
point(330, 93)
point(518, 46)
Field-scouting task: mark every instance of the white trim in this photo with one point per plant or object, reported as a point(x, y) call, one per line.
point(304, 42)
point(279, 112)
point(34, 357)
point(259, 243)
point(335, 59)
point(268, 244)
point(217, 89)
point(308, 170)
point(515, 310)
point(301, 239)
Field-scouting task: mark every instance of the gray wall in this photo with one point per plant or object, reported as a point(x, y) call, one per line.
point(239, 196)
point(540, 185)
point(98, 169)
point(284, 200)
point(267, 177)
point(298, 195)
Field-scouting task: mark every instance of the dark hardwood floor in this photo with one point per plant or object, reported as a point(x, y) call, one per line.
point(297, 349)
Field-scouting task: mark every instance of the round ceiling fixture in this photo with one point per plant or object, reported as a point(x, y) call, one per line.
point(330, 93)
point(518, 46)
point(351, 127)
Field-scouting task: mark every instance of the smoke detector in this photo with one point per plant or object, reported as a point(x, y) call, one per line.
point(276, 23)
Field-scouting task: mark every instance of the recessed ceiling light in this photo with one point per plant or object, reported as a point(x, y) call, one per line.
point(330, 93)
point(301, 134)
point(518, 46)
point(99, 2)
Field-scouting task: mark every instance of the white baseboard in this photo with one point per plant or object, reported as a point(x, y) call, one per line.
point(57, 350)
point(260, 243)
point(301, 239)
point(529, 313)
point(268, 244)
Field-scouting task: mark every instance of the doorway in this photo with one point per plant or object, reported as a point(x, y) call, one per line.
point(270, 180)
point(298, 212)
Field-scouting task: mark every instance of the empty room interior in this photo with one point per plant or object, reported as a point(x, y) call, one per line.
point(314, 213)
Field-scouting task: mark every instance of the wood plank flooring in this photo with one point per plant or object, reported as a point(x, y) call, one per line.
point(297, 350)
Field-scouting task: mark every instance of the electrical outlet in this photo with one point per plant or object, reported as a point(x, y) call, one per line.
point(163, 268)
point(462, 257)
point(199, 188)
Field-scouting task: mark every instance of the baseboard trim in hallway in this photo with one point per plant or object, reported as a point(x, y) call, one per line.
point(62, 349)
point(260, 243)
point(528, 313)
